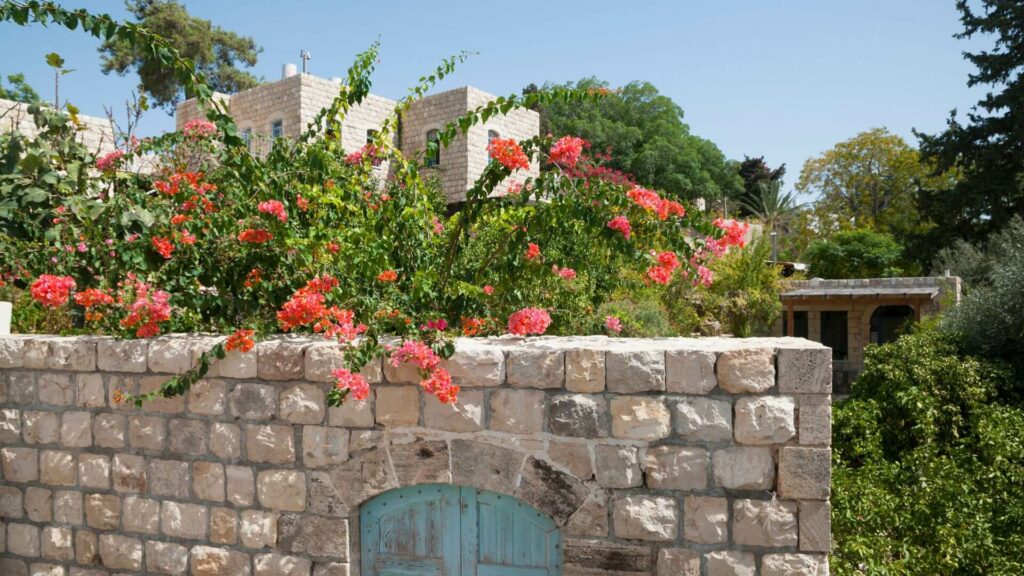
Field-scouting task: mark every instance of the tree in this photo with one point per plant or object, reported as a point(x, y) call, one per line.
point(754, 172)
point(986, 147)
point(217, 53)
point(771, 206)
point(645, 134)
point(870, 181)
point(19, 90)
point(855, 254)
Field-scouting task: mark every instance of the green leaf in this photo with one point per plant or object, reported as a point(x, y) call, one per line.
point(53, 59)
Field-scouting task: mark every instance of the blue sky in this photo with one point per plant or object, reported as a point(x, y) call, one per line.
point(786, 79)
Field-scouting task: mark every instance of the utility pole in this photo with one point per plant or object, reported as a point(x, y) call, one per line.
point(306, 57)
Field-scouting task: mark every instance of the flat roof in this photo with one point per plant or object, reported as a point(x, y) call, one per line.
point(864, 292)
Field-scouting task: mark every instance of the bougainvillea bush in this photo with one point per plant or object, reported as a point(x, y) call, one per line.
point(306, 239)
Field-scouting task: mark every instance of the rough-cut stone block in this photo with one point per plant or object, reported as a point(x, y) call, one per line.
point(209, 561)
point(270, 444)
point(314, 536)
point(352, 413)
point(617, 466)
point(742, 468)
point(102, 511)
point(21, 387)
point(652, 518)
point(398, 406)
point(579, 415)
point(632, 371)
point(421, 462)
point(690, 371)
point(764, 523)
point(57, 544)
point(323, 446)
point(702, 419)
point(592, 518)
point(465, 416)
point(302, 404)
point(129, 473)
point(57, 468)
point(170, 355)
point(20, 464)
point(282, 490)
point(225, 441)
point(281, 359)
point(676, 468)
point(189, 437)
point(485, 466)
point(474, 365)
point(572, 456)
point(805, 370)
point(12, 351)
point(23, 540)
point(765, 420)
point(67, 507)
point(555, 493)
point(585, 371)
point(11, 502)
point(223, 526)
point(207, 397)
point(147, 432)
point(730, 563)
point(600, 558)
point(517, 411)
point(678, 562)
point(89, 391)
point(166, 558)
point(805, 473)
point(794, 564)
point(94, 471)
point(35, 351)
point(38, 504)
point(208, 481)
point(640, 418)
point(331, 569)
point(528, 368)
point(253, 401)
point(14, 567)
point(122, 355)
point(10, 426)
point(322, 358)
point(815, 526)
point(108, 430)
point(87, 547)
point(172, 405)
point(187, 521)
point(814, 414)
point(141, 515)
point(56, 389)
point(169, 478)
point(749, 371)
point(241, 485)
point(72, 353)
point(41, 427)
point(238, 364)
point(259, 529)
point(352, 483)
point(280, 565)
point(706, 519)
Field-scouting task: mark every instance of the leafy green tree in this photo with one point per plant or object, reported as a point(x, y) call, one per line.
point(217, 53)
point(755, 173)
point(976, 263)
point(855, 254)
point(644, 132)
point(19, 90)
point(985, 146)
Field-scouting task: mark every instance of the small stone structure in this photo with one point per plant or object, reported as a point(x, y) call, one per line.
point(657, 457)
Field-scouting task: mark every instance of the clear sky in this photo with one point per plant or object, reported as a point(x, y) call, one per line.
point(785, 79)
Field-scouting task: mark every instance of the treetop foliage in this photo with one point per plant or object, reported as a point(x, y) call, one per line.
point(19, 90)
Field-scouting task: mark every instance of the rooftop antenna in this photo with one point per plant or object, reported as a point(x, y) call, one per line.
point(306, 57)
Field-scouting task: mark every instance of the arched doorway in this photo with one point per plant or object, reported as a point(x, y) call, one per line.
point(444, 530)
point(888, 322)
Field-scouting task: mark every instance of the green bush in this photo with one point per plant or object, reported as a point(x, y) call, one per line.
point(855, 254)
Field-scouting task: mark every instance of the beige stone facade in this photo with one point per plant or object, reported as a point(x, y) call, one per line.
point(645, 460)
point(290, 104)
point(95, 133)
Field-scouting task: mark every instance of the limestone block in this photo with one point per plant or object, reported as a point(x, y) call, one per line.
point(38, 504)
point(253, 401)
point(555, 493)
point(764, 523)
point(474, 365)
point(639, 418)
point(72, 353)
point(790, 564)
point(323, 446)
point(258, 529)
point(94, 471)
point(208, 481)
point(765, 420)
point(166, 558)
point(271, 443)
point(57, 544)
point(122, 355)
point(322, 358)
point(352, 413)
point(730, 563)
point(814, 414)
point(283, 490)
point(102, 511)
point(281, 359)
point(465, 416)
point(238, 364)
point(147, 432)
point(403, 373)
point(13, 567)
point(678, 562)
point(34, 353)
point(172, 405)
point(141, 515)
point(585, 371)
point(23, 540)
point(12, 351)
point(10, 426)
point(592, 518)
point(747, 371)
point(225, 441)
point(189, 437)
point(280, 565)
point(86, 547)
point(600, 558)
point(21, 387)
point(421, 462)
point(690, 371)
point(207, 397)
point(89, 391)
point(652, 518)
point(314, 536)
point(703, 419)
point(676, 468)
point(240, 485)
point(805, 473)
point(169, 478)
point(531, 368)
point(20, 464)
point(56, 389)
point(209, 561)
point(302, 404)
point(617, 466)
point(223, 526)
point(11, 502)
point(517, 411)
point(572, 456)
point(180, 520)
point(706, 519)
point(485, 466)
point(744, 468)
point(815, 526)
point(632, 371)
point(170, 355)
point(57, 468)
point(108, 430)
point(398, 406)
point(805, 370)
point(41, 427)
point(579, 415)
point(129, 473)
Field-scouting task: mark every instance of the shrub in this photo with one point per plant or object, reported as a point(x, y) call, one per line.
point(855, 254)
point(975, 264)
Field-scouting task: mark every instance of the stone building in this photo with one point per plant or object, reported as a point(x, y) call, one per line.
point(286, 107)
point(95, 133)
point(847, 315)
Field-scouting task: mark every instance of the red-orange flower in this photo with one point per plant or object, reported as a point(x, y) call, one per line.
point(163, 246)
point(507, 152)
point(255, 236)
point(241, 340)
point(388, 276)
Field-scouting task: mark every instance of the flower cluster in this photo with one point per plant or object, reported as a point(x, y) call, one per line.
point(613, 324)
point(474, 326)
point(357, 386)
point(199, 129)
point(241, 340)
point(367, 152)
point(274, 208)
point(566, 151)
point(508, 153)
point(52, 291)
point(147, 308)
point(567, 274)
point(163, 246)
point(91, 298)
point(621, 224)
point(735, 231)
point(532, 251)
point(387, 276)
point(308, 307)
point(254, 236)
point(436, 380)
point(172, 185)
point(109, 162)
point(652, 202)
point(661, 272)
point(529, 321)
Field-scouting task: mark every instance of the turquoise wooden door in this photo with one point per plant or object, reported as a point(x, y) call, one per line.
point(442, 530)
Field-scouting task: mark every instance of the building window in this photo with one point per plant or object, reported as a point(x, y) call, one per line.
point(247, 137)
point(492, 135)
point(834, 333)
point(276, 129)
point(433, 149)
point(371, 135)
point(799, 324)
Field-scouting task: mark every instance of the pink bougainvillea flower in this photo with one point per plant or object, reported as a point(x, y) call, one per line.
point(529, 321)
point(508, 153)
point(52, 291)
point(647, 199)
point(199, 129)
point(241, 340)
point(532, 251)
point(735, 231)
point(613, 324)
point(488, 289)
point(668, 260)
point(301, 202)
point(333, 247)
point(566, 151)
point(660, 274)
point(438, 226)
point(147, 308)
point(109, 162)
point(254, 236)
point(187, 238)
point(91, 297)
point(416, 353)
point(274, 208)
point(621, 224)
point(439, 324)
point(353, 382)
point(439, 383)
point(567, 274)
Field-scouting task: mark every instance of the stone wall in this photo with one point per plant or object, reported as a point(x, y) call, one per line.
point(654, 457)
point(95, 133)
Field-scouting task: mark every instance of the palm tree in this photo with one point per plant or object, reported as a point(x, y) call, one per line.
point(774, 208)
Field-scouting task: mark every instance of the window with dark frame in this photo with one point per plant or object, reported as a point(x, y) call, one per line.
point(433, 149)
point(799, 324)
point(371, 135)
point(835, 333)
point(276, 129)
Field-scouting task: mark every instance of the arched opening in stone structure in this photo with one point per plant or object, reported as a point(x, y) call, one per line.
point(449, 530)
point(888, 323)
